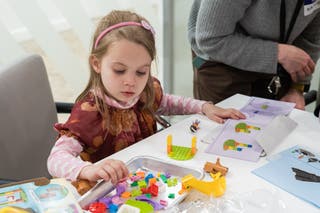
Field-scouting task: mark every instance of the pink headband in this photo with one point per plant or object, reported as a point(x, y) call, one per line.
point(143, 24)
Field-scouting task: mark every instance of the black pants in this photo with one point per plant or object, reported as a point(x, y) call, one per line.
point(215, 82)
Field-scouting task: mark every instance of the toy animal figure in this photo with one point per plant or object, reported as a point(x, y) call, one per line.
point(243, 127)
point(216, 187)
point(195, 126)
point(215, 168)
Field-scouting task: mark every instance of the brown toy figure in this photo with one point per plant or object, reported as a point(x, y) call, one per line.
point(215, 167)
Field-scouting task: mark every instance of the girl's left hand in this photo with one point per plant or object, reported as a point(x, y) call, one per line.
point(219, 114)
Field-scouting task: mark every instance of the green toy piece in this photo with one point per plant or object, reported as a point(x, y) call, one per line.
point(143, 206)
point(181, 152)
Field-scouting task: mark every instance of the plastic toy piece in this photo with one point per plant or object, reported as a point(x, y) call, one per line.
point(126, 194)
point(216, 187)
point(195, 126)
point(143, 206)
point(215, 167)
point(156, 206)
point(153, 190)
point(11, 209)
point(181, 152)
point(152, 181)
point(194, 145)
point(113, 208)
point(243, 127)
point(171, 196)
point(127, 208)
point(234, 145)
point(169, 144)
point(164, 202)
point(97, 207)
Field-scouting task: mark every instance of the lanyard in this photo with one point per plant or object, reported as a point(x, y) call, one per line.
point(284, 37)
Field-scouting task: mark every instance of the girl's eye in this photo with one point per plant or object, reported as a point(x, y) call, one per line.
point(119, 72)
point(141, 73)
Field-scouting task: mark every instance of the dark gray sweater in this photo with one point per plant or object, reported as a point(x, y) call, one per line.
point(216, 31)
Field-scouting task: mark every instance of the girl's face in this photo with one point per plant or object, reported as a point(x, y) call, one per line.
point(124, 69)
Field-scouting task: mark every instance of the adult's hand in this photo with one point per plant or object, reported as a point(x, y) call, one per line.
point(296, 97)
point(295, 61)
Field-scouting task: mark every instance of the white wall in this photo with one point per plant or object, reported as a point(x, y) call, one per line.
point(60, 31)
point(182, 67)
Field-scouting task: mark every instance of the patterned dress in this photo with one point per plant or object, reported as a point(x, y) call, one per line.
point(88, 137)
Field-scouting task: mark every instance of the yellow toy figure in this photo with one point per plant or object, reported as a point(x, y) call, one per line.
point(216, 187)
point(11, 209)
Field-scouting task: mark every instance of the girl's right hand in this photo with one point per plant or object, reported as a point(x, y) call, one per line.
point(108, 169)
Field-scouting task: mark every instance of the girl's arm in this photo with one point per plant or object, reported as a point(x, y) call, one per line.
point(177, 105)
point(63, 160)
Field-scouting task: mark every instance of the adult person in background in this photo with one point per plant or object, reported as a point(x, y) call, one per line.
point(258, 48)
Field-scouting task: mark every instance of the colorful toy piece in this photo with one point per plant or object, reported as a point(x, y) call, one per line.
point(216, 187)
point(195, 126)
point(97, 207)
point(12, 209)
point(215, 167)
point(143, 206)
point(243, 127)
point(181, 152)
point(234, 145)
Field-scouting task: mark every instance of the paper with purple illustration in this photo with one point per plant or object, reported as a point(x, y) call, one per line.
point(266, 107)
point(236, 140)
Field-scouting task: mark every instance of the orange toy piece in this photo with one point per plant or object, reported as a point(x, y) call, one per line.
point(216, 187)
point(126, 194)
point(215, 167)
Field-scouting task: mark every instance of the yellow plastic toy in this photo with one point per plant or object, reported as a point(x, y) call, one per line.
point(217, 187)
point(181, 152)
point(11, 209)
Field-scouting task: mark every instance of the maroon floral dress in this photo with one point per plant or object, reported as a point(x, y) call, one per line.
point(119, 128)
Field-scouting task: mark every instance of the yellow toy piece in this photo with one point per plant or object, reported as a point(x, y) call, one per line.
point(181, 152)
point(11, 209)
point(216, 187)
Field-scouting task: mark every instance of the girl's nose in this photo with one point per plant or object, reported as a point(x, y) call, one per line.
point(129, 81)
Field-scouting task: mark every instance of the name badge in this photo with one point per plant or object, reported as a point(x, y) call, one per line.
point(310, 6)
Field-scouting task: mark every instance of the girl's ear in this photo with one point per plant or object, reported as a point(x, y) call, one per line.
point(95, 63)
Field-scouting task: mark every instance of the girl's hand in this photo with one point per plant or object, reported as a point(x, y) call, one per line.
point(218, 114)
point(108, 169)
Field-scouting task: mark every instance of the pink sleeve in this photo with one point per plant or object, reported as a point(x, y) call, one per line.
point(178, 105)
point(64, 160)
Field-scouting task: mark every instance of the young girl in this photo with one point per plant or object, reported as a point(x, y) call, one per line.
point(117, 107)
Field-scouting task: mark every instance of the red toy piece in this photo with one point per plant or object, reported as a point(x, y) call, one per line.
point(97, 207)
point(153, 190)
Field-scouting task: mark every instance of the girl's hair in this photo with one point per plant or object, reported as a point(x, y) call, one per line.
point(136, 34)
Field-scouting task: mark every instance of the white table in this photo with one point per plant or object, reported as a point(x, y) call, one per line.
point(239, 178)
